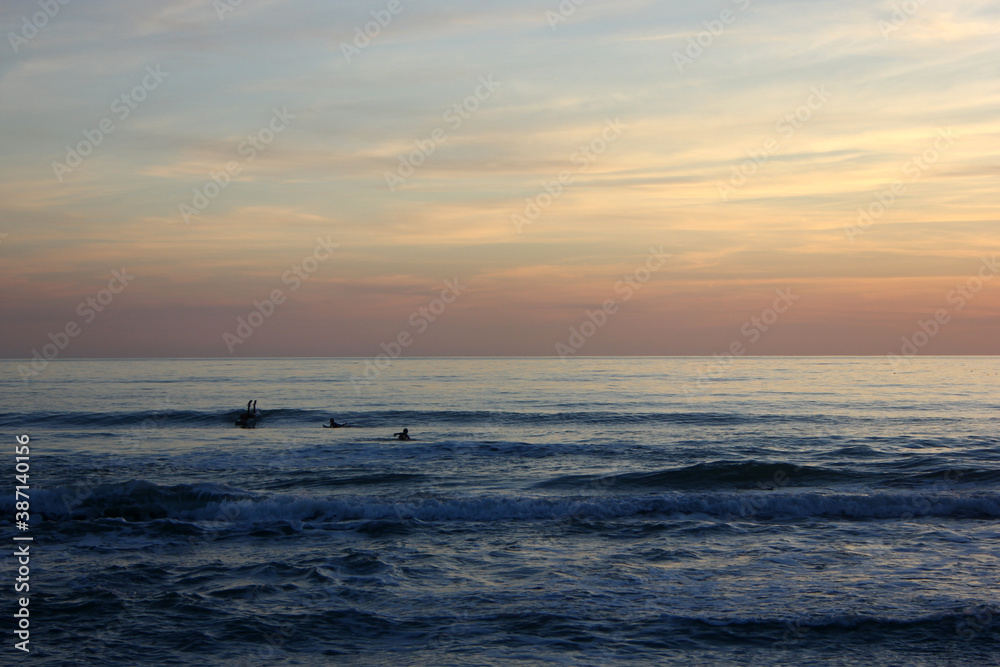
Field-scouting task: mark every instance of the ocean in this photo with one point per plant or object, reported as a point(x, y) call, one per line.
point(593, 511)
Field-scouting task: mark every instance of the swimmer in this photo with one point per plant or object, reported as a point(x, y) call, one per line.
point(405, 435)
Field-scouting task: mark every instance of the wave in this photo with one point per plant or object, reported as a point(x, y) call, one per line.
point(136, 500)
point(739, 474)
point(834, 630)
point(140, 500)
point(949, 476)
point(153, 419)
point(767, 475)
point(170, 418)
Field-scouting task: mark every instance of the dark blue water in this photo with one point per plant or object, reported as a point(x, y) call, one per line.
point(600, 511)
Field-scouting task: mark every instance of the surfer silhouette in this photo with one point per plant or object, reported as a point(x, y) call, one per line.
point(249, 418)
point(405, 435)
point(334, 424)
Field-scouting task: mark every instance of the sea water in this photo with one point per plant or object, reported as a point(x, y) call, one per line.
point(593, 511)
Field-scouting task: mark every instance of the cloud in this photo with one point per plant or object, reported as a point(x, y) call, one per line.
point(659, 182)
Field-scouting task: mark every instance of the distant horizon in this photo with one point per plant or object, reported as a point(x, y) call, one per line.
point(514, 356)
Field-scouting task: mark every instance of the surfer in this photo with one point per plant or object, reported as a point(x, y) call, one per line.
point(334, 424)
point(405, 435)
point(249, 418)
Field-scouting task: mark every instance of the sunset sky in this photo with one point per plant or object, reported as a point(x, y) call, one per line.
point(712, 155)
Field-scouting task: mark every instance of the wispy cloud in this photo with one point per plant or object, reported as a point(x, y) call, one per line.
point(891, 91)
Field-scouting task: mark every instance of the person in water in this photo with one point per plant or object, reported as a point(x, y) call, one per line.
point(405, 435)
point(334, 424)
point(247, 419)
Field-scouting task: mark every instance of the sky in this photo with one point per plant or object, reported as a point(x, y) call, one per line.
point(248, 178)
